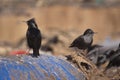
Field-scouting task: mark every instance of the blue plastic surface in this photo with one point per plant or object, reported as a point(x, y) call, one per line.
point(45, 67)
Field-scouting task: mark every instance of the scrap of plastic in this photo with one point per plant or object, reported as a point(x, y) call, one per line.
point(18, 52)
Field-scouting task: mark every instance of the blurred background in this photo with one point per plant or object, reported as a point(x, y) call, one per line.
point(66, 19)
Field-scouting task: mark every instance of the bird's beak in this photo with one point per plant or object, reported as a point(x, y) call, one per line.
point(24, 21)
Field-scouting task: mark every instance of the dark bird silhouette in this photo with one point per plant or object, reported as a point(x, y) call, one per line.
point(84, 41)
point(114, 60)
point(33, 37)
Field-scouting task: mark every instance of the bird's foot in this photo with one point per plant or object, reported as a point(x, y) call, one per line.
point(35, 56)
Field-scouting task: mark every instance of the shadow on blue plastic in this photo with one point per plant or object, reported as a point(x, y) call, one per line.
point(45, 67)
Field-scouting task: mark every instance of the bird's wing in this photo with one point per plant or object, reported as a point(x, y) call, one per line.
point(37, 39)
point(77, 42)
point(29, 39)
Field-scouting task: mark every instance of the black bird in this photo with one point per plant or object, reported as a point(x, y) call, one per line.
point(33, 37)
point(84, 41)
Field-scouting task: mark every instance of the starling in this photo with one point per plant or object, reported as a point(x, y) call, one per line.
point(84, 41)
point(33, 37)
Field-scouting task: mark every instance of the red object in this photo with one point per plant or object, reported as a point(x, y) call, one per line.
point(18, 52)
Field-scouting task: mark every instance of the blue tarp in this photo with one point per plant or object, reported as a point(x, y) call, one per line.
point(45, 67)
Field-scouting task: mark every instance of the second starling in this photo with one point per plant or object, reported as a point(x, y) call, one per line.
point(84, 41)
point(33, 37)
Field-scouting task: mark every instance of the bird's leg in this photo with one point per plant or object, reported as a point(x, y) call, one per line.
point(82, 52)
point(77, 51)
point(27, 51)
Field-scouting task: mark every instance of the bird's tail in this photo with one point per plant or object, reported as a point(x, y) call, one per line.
point(36, 52)
point(70, 46)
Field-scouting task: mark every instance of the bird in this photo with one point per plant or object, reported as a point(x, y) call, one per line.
point(84, 41)
point(33, 36)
